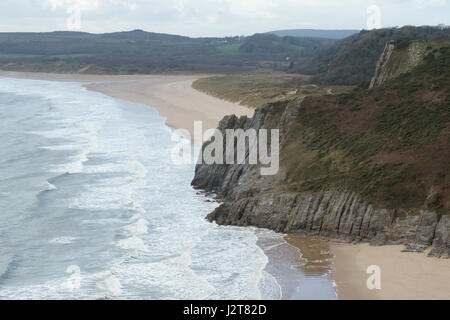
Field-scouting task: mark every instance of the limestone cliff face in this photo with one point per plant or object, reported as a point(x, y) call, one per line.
point(264, 201)
point(396, 60)
point(380, 71)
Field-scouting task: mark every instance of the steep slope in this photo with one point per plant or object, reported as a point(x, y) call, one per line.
point(370, 165)
point(353, 60)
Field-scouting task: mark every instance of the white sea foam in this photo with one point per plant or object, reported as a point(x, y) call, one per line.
point(6, 258)
point(76, 165)
point(62, 240)
point(110, 285)
point(48, 186)
point(140, 226)
point(153, 188)
point(167, 279)
point(132, 205)
point(133, 243)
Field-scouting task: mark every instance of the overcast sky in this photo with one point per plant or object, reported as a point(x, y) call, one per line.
point(216, 17)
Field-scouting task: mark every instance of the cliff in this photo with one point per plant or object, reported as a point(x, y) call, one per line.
point(398, 57)
point(371, 165)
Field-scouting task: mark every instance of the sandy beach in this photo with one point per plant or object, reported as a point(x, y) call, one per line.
point(172, 96)
point(404, 275)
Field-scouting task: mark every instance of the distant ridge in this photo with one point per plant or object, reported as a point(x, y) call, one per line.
point(315, 33)
point(141, 52)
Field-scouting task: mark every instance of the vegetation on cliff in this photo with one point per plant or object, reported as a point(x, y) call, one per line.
point(390, 144)
point(352, 60)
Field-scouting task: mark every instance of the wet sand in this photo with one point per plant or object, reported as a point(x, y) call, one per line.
point(315, 253)
point(302, 267)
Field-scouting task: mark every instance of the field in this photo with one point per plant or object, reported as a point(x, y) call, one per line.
point(255, 89)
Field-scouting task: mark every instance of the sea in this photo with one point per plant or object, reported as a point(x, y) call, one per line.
point(93, 207)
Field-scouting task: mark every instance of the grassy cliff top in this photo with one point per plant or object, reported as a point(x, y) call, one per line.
point(391, 144)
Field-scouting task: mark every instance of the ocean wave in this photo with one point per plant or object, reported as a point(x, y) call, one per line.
point(53, 179)
point(153, 188)
point(6, 260)
point(168, 279)
point(132, 206)
point(140, 226)
point(62, 240)
point(48, 187)
point(76, 165)
point(133, 243)
point(110, 285)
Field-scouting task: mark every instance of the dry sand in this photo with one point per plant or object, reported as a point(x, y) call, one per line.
point(172, 96)
point(404, 275)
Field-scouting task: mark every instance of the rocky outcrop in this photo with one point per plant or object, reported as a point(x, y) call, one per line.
point(338, 215)
point(250, 199)
point(380, 70)
point(396, 60)
point(441, 241)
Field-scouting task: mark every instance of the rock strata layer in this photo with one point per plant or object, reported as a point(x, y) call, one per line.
point(250, 199)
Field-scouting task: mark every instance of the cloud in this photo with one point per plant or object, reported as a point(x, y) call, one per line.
point(90, 5)
point(216, 17)
point(84, 5)
point(427, 3)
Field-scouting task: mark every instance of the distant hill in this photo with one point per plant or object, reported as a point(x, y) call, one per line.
point(315, 33)
point(138, 51)
point(353, 60)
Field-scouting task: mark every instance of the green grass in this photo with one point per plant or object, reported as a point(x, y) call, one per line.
point(18, 56)
point(232, 49)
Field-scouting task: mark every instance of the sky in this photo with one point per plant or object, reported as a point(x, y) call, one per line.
point(199, 18)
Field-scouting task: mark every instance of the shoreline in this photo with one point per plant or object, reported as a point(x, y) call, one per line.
point(172, 96)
